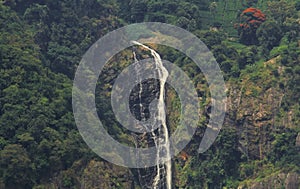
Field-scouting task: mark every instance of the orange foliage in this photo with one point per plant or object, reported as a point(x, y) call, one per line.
point(256, 14)
point(251, 19)
point(254, 17)
point(184, 156)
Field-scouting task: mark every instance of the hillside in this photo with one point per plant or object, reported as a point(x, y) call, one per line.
point(258, 51)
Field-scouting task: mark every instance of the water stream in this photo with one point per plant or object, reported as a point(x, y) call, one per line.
point(161, 139)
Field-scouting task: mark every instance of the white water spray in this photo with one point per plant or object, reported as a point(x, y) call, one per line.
point(162, 145)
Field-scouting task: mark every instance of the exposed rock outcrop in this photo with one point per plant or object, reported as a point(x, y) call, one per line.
point(277, 181)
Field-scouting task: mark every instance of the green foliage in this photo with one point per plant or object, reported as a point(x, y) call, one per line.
point(284, 152)
point(16, 167)
point(278, 50)
point(181, 13)
point(269, 35)
point(35, 110)
point(247, 57)
point(210, 38)
point(297, 5)
point(281, 10)
point(41, 43)
point(290, 59)
point(214, 167)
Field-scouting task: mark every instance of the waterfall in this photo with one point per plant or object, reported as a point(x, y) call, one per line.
point(161, 139)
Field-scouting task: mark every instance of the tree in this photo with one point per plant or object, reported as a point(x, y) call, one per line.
point(212, 168)
point(138, 10)
point(189, 24)
point(210, 38)
point(281, 10)
point(283, 148)
point(247, 57)
point(16, 167)
point(292, 29)
point(100, 174)
point(251, 3)
point(269, 35)
point(251, 19)
point(37, 13)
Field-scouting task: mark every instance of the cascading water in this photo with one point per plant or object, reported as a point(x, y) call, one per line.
point(161, 139)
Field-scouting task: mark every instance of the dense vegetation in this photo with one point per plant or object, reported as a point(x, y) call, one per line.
point(42, 42)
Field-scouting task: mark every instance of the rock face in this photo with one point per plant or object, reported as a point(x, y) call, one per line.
point(278, 181)
point(253, 106)
point(254, 117)
point(253, 109)
point(99, 174)
point(292, 181)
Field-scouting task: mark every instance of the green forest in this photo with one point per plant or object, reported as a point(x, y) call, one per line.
point(255, 42)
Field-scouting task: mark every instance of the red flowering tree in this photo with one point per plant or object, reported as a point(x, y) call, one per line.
point(251, 19)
